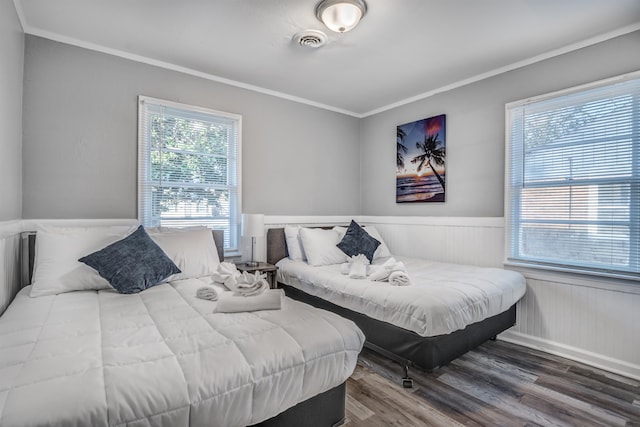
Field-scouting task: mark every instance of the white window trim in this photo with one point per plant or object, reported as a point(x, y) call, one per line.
point(141, 100)
point(532, 266)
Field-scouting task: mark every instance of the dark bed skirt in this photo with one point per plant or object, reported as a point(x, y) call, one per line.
point(406, 346)
point(324, 410)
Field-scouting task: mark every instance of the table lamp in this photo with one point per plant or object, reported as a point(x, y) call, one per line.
point(252, 226)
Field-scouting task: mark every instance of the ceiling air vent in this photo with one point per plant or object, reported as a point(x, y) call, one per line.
point(310, 38)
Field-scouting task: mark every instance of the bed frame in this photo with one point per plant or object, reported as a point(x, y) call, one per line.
point(326, 409)
point(404, 346)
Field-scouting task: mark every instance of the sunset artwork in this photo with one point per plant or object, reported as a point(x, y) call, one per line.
point(420, 161)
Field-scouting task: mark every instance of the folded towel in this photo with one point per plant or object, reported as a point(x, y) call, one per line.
point(381, 272)
point(207, 292)
point(233, 303)
point(399, 278)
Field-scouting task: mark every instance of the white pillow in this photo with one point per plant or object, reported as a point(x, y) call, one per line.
point(56, 266)
point(320, 246)
point(192, 249)
point(382, 251)
point(294, 243)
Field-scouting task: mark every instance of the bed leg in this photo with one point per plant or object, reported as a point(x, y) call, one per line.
point(407, 381)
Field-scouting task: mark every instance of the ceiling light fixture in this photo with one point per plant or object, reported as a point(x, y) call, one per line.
point(341, 15)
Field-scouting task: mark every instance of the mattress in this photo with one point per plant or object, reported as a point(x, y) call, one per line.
point(442, 298)
point(162, 357)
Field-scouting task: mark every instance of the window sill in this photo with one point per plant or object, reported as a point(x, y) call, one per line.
point(606, 281)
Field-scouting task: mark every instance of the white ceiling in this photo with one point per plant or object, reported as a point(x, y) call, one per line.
point(402, 49)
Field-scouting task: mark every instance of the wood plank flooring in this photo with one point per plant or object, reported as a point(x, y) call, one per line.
point(497, 384)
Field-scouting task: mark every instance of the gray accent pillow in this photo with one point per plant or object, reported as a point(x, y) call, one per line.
point(132, 264)
point(357, 241)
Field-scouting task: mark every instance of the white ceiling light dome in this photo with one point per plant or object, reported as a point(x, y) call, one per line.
point(341, 15)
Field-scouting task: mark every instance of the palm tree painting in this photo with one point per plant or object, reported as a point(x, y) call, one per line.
point(420, 161)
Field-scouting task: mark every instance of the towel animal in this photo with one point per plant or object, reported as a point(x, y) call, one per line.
point(270, 299)
point(358, 266)
point(248, 284)
point(227, 274)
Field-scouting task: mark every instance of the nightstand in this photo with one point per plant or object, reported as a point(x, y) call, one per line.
point(269, 269)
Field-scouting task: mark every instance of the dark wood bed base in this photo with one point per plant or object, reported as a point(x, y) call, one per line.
point(401, 345)
point(326, 409)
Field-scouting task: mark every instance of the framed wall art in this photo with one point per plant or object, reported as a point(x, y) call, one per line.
point(420, 161)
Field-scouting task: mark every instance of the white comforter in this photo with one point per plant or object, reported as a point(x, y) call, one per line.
point(443, 298)
point(162, 357)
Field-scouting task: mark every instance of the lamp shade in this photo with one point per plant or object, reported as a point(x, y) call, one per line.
point(341, 15)
point(252, 225)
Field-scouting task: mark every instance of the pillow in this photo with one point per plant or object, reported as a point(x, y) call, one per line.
point(294, 243)
point(132, 264)
point(56, 267)
point(192, 250)
point(381, 252)
point(357, 241)
point(320, 246)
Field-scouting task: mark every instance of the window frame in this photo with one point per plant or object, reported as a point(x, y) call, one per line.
point(144, 163)
point(511, 198)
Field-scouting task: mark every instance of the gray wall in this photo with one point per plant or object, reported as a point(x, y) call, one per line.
point(11, 67)
point(80, 138)
point(476, 130)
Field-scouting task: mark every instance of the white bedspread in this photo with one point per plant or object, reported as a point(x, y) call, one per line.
point(443, 298)
point(162, 357)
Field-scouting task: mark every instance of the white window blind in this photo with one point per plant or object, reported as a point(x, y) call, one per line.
point(573, 179)
point(188, 167)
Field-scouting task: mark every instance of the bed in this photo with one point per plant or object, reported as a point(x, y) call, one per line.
point(448, 310)
point(161, 356)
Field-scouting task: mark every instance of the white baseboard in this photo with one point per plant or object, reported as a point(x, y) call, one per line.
point(606, 363)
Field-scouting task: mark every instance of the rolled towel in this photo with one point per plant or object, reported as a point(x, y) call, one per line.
point(381, 272)
point(232, 303)
point(208, 293)
point(399, 278)
point(378, 273)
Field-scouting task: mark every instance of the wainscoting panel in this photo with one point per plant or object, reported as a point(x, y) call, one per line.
point(589, 324)
point(9, 262)
point(456, 243)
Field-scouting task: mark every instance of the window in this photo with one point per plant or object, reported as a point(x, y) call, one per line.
point(189, 167)
point(573, 179)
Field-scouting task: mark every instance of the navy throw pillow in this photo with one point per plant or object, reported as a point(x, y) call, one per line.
point(357, 241)
point(132, 264)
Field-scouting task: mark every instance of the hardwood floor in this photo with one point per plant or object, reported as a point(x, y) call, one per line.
point(497, 384)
